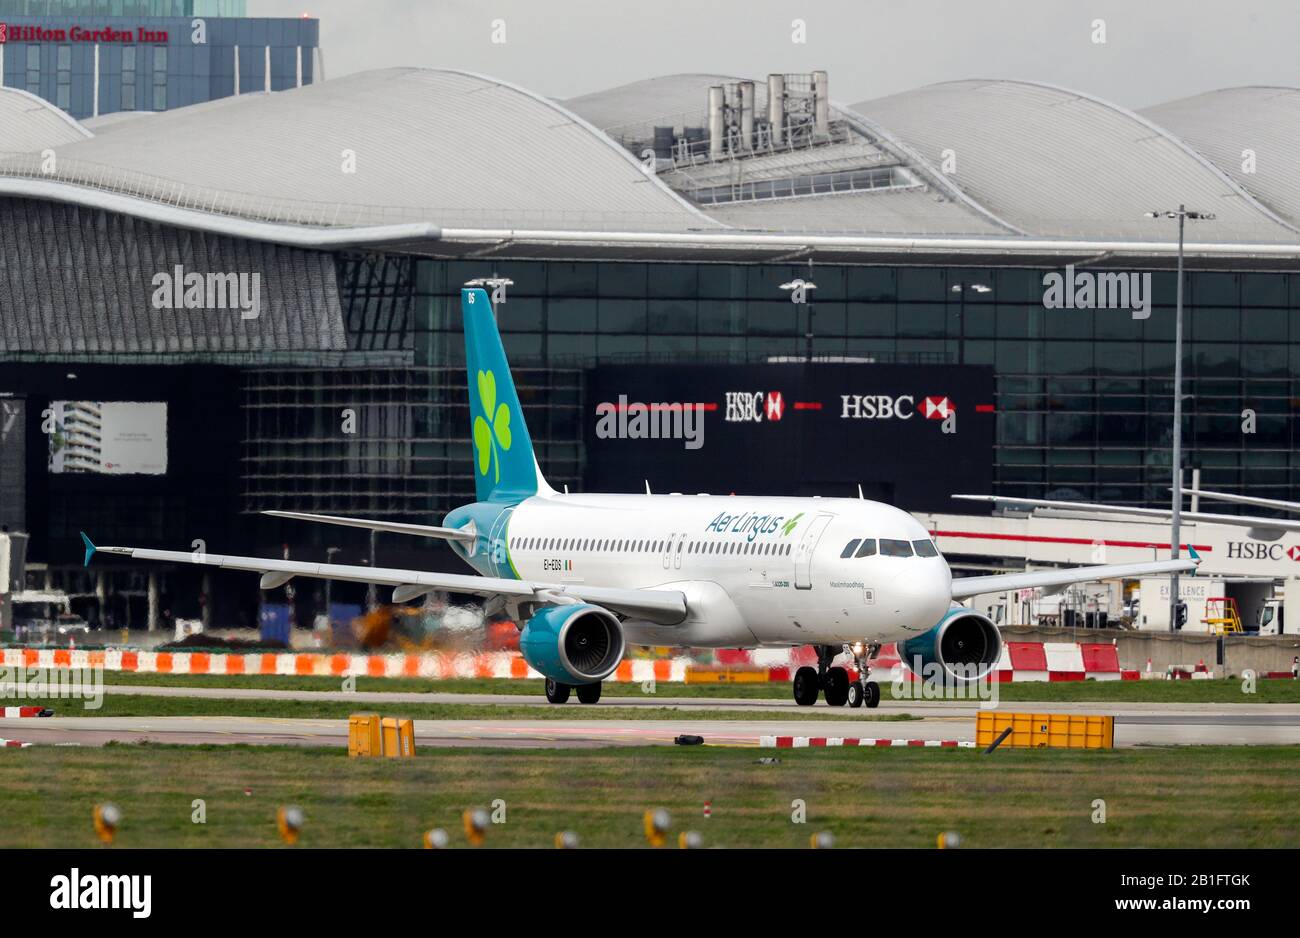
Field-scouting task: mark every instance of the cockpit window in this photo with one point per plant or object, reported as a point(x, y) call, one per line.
point(868, 548)
point(849, 548)
point(925, 549)
point(891, 548)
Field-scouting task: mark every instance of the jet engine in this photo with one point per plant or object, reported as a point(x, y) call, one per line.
point(574, 644)
point(965, 645)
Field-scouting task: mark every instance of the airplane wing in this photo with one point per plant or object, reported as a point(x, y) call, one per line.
point(1274, 503)
point(393, 527)
point(964, 587)
point(1262, 528)
point(664, 606)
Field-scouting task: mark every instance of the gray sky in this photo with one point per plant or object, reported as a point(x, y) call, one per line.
point(1155, 50)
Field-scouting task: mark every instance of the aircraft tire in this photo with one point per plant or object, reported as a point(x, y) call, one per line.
point(871, 695)
point(837, 687)
point(805, 686)
point(855, 694)
point(589, 693)
point(556, 692)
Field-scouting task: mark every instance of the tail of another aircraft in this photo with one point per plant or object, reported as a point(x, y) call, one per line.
point(505, 468)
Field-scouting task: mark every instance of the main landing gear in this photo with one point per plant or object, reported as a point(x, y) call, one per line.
point(834, 682)
point(558, 693)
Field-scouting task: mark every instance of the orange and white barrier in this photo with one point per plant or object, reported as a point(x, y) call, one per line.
point(1021, 661)
point(429, 665)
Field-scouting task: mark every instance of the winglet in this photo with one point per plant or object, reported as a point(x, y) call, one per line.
point(1191, 552)
point(90, 549)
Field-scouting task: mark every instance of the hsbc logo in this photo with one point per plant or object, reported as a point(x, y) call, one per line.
point(1253, 550)
point(877, 407)
point(902, 407)
point(937, 408)
point(754, 406)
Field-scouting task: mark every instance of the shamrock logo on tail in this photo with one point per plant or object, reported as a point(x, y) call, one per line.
point(488, 436)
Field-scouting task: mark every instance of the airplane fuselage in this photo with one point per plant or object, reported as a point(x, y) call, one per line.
point(756, 571)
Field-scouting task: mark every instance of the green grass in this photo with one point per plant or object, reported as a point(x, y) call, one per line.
point(1218, 691)
point(1210, 797)
point(139, 705)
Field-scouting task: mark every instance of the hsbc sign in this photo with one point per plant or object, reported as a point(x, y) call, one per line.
point(1256, 550)
point(754, 406)
point(887, 407)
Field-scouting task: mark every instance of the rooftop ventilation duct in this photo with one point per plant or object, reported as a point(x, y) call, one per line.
point(776, 108)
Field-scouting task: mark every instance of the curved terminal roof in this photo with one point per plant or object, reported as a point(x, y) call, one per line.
point(669, 100)
point(450, 162)
point(630, 113)
point(382, 147)
point(1232, 125)
point(1059, 163)
point(29, 124)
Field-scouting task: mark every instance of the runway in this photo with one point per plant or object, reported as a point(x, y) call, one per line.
point(1136, 724)
point(773, 708)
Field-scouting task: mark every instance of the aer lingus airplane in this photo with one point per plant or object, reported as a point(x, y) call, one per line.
point(586, 574)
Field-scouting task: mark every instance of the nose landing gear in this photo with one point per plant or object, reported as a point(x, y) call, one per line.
point(864, 692)
point(834, 682)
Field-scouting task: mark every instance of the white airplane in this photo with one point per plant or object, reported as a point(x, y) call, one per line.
point(586, 574)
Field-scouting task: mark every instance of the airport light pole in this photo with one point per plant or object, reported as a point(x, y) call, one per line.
point(799, 291)
point(1176, 457)
point(329, 558)
point(960, 289)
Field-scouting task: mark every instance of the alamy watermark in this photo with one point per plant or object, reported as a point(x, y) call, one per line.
point(1108, 290)
point(176, 290)
point(41, 684)
point(637, 421)
point(921, 680)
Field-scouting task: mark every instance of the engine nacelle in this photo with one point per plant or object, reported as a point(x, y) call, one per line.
point(576, 644)
point(965, 644)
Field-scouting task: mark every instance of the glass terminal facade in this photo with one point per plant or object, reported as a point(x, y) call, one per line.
point(1084, 397)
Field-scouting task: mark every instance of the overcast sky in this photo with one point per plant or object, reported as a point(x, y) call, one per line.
point(1155, 50)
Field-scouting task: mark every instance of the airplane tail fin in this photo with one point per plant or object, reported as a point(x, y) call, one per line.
point(505, 467)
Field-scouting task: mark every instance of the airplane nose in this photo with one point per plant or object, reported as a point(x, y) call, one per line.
point(920, 600)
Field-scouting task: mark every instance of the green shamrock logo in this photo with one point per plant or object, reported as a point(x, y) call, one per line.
point(488, 437)
point(789, 525)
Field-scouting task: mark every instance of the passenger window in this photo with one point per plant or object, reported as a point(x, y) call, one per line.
point(925, 549)
point(890, 548)
point(868, 548)
point(849, 548)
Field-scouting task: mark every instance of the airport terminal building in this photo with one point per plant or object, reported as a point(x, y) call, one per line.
point(977, 247)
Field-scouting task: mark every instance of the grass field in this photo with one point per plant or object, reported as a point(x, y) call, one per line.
point(1219, 691)
point(1193, 797)
point(139, 705)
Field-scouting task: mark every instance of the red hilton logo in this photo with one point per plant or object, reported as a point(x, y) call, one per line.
point(4, 33)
